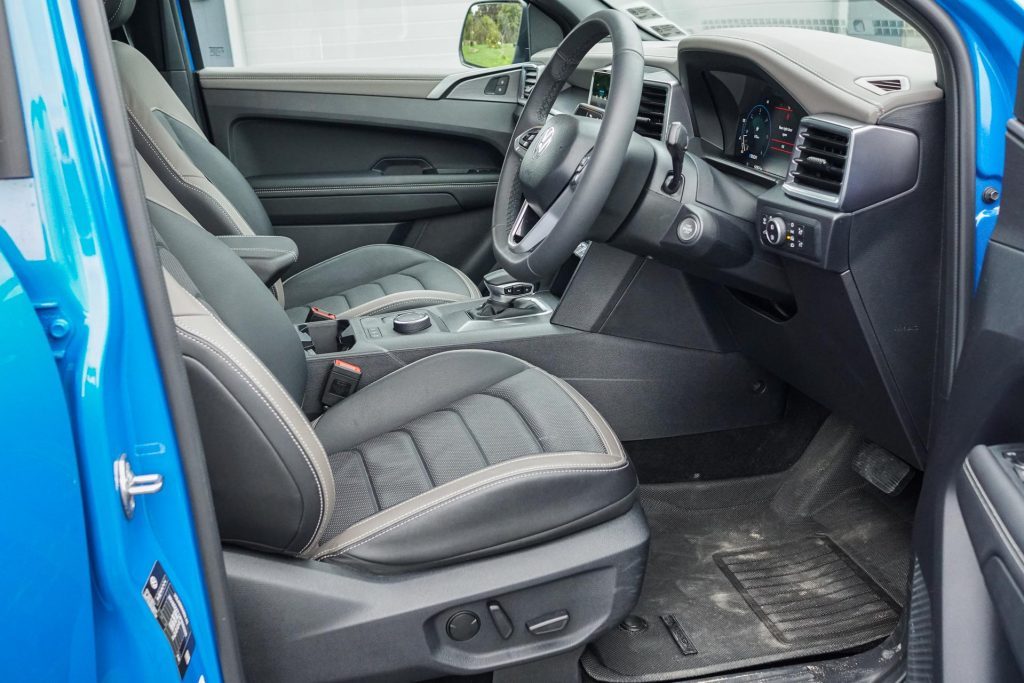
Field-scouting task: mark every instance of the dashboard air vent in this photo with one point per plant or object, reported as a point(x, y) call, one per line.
point(821, 158)
point(650, 119)
point(846, 165)
point(883, 85)
point(530, 76)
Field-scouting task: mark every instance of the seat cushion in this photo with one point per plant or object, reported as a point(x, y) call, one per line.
point(374, 279)
point(466, 453)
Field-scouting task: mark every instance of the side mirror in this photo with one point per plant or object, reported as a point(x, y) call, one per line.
point(492, 34)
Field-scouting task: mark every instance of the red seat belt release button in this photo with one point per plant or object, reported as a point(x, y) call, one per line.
point(342, 381)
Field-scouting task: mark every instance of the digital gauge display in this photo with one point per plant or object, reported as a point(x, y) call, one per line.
point(599, 88)
point(766, 134)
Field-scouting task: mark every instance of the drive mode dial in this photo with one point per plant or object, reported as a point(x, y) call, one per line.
point(774, 231)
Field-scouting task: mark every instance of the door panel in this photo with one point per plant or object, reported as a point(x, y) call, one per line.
point(337, 168)
point(970, 524)
point(991, 493)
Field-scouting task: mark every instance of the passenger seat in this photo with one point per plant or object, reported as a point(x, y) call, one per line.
point(369, 280)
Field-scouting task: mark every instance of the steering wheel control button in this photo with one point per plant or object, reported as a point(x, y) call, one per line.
point(689, 230)
point(578, 173)
point(501, 621)
point(463, 625)
point(548, 623)
point(411, 322)
point(527, 138)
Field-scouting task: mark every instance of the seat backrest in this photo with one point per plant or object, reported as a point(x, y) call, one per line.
point(202, 178)
point(272, 484)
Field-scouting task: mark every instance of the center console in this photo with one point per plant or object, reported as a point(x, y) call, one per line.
point(379, 344)
point(641, 341)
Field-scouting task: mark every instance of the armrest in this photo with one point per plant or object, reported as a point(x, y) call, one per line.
point(268, 255)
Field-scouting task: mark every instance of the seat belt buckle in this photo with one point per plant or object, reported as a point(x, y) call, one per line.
point(342, 382)
point(318, 314)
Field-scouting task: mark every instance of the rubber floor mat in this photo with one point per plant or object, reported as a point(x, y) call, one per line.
point(809, 592)
point(733, 585)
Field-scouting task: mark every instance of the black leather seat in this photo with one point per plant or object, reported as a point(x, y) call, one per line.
point(369, 280)
point(460, 455)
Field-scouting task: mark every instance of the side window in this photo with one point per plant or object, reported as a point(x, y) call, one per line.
point(439, 35)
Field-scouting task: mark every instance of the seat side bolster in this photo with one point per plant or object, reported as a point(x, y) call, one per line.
point(278, 439)
point(501, 504)
point(472, 291)
point(604, 430)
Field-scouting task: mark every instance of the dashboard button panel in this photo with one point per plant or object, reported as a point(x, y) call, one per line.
point(789, 233)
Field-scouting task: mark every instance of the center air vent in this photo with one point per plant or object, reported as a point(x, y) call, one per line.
point(821, 159)
point(530, 76)
point(650, 119)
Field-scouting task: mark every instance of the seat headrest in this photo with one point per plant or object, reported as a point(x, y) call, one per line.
point(118, 12)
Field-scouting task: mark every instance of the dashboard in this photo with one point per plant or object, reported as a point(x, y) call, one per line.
point(806, 183)
point(740, 118)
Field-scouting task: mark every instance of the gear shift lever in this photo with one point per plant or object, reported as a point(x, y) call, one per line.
point(677, 141)
point(502, 291)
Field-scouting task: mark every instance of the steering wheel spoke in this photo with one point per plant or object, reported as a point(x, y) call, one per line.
point(531, 228)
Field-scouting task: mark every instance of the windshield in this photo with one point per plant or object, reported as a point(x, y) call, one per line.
point(867, 19)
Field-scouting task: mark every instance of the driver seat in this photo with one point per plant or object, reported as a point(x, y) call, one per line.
point(369, 280)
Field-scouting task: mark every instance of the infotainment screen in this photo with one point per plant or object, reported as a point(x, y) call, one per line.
point(599, 87)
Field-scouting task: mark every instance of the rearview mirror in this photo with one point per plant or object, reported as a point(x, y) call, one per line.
point(491, 34)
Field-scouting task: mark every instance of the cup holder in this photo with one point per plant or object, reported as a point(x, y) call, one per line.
point(326, 336)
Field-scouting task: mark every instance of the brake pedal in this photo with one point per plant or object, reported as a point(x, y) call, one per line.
point(882, 469)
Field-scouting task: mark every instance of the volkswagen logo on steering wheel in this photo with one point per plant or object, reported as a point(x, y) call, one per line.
point(545, 140)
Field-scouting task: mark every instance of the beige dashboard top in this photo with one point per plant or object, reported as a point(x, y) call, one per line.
point(819, 69)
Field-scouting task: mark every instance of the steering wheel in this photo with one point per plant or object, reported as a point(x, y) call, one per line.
point(559, 171)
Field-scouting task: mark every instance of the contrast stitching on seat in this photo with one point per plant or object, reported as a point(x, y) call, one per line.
point(580, 468)
point(525, 459)
point(110, 17)
point(282, 419)
point(177, 175)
